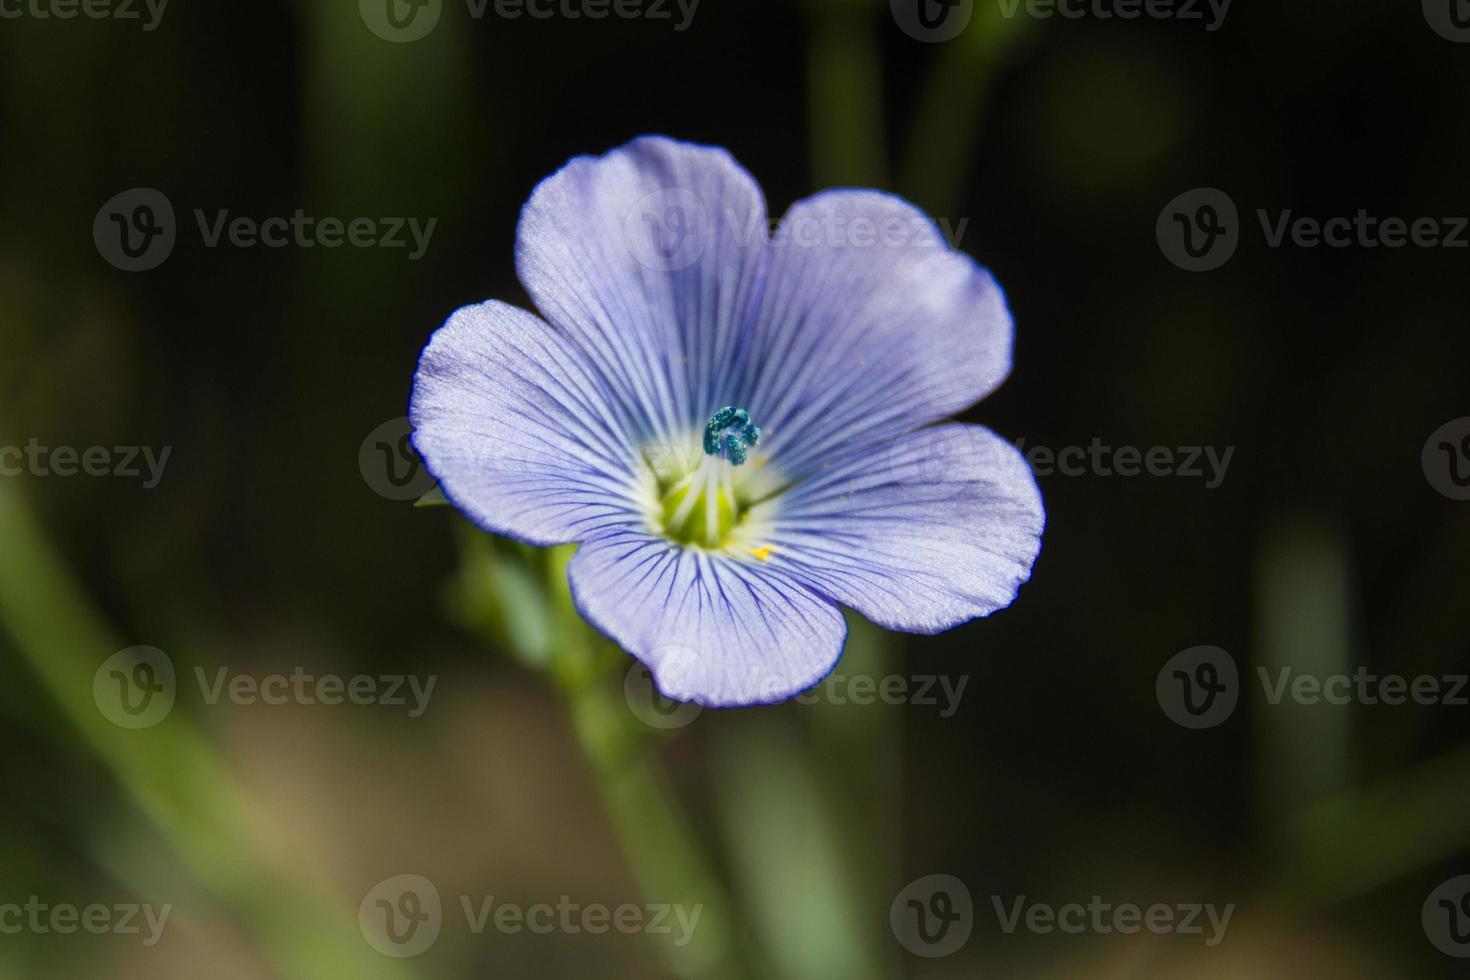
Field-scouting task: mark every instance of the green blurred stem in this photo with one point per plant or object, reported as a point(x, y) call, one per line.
point(1354, 842)
point(1301, 599)
point(846, 96)
point(171, 772)
point(951, 108)
point(661, 848)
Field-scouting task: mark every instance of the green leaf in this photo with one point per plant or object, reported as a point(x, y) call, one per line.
point(434, 498)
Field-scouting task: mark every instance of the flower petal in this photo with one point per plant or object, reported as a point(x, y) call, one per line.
point(941, 526)
point(870, 325)
point(648, 259)
point(711, 628)
point(510, 419)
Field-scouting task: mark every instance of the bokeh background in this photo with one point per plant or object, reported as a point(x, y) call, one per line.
point(267, 547)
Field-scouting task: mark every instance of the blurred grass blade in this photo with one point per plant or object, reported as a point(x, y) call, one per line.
point(170, 771)
point(1301, 597)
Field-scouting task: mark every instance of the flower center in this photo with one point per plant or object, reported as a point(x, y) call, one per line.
point(701, 507)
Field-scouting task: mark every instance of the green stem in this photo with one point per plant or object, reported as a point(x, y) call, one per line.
point(662, 851)
point(950, 111)
point(846, 97)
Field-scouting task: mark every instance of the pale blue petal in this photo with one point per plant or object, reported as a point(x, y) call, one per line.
point(511, 421)
point(870, 326)
point(712, 628)
point(937, 528)
point(648, 259)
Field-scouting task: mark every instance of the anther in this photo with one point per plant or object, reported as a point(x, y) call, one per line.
point(732, 443)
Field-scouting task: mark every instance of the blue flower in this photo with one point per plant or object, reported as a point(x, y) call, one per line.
point(741, 428)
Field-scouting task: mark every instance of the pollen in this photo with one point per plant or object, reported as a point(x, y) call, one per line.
point(763, 553)
point(730, 432)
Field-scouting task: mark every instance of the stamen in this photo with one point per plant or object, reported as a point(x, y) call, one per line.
point(717, 438)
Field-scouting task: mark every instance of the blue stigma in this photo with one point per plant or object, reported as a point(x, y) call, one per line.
point(717, 438)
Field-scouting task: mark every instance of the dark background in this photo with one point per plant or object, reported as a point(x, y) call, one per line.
point(1059, 777)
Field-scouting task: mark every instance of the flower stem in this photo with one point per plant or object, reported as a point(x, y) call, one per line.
point(663, 852)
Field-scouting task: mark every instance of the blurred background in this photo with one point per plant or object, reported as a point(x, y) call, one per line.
point(281, 540)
